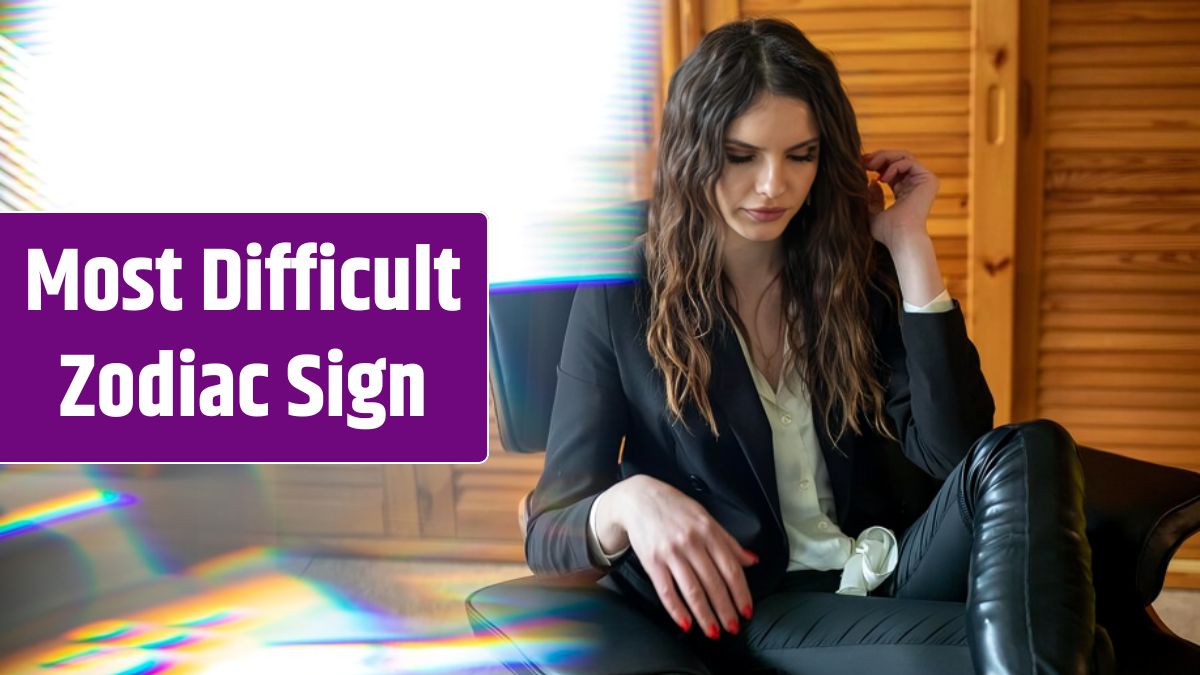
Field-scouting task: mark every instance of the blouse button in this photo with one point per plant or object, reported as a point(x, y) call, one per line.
point(804, 484)
point(786, 419)
point(824, 525)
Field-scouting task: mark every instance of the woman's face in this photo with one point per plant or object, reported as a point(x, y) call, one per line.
point(770, 165)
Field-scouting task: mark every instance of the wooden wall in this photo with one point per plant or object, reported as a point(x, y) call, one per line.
point(1116, 280)
point(1119, 353)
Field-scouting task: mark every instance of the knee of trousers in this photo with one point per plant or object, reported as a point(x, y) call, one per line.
point(1038, 450)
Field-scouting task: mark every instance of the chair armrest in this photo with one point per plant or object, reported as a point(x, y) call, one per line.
point(569, 624)
point(1138, 514)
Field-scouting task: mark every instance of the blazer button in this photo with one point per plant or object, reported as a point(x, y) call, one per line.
point(697, 484)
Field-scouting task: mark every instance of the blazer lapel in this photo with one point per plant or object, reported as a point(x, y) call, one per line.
point(732, 391)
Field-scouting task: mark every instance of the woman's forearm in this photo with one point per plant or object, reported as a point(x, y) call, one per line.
point(917, 268)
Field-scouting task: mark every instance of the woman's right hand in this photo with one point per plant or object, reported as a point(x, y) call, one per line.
point(696, 566)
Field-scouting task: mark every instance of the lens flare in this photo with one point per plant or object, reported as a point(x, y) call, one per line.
point(75, 505)
point(239, 616)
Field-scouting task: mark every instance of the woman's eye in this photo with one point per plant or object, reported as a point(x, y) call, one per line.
point(742, 159)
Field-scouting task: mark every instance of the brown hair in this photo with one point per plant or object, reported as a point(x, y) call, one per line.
point(829, 253)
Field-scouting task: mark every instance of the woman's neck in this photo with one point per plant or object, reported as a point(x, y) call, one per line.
point(751, 265)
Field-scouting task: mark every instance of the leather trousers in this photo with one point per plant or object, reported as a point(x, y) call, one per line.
point(1026, 567)
point(1005, 535)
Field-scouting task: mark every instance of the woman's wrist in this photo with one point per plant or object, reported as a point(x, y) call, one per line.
point(916, 267)
point(609, 520)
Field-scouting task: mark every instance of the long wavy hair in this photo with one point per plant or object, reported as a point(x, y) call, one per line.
point(829, 253)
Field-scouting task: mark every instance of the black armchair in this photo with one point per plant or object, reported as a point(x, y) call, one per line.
point(1138, 514)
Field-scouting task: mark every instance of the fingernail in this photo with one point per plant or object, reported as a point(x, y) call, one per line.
point(713, 632)
point(733, 627)
point(747, 611)
point(685, 623)
point(754, 558)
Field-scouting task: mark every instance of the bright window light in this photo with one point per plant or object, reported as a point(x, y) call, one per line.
point(532, 112)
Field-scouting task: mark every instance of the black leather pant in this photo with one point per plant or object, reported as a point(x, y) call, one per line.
point(1005, 535)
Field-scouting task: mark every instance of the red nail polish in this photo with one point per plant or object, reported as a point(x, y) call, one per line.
point(733, 627)
point(713, 632)
point(685, 623)
point(747, 611)
point(753, 556)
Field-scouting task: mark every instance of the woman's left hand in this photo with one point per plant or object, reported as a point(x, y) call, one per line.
point(915, 188)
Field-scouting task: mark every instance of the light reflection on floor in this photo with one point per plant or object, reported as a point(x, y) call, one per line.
point(132, 573)
point(65, 507)
point(242, 616)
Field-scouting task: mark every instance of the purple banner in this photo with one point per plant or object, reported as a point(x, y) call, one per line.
point(245, 338)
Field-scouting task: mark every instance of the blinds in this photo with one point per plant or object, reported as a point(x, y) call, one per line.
point(1119, 350)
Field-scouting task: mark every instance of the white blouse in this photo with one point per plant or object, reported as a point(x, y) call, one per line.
point(805, 493)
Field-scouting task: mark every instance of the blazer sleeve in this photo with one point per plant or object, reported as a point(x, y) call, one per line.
point(937, 397)
point(587, 422)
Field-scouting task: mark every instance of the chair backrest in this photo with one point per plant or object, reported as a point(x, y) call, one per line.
point(525, 343)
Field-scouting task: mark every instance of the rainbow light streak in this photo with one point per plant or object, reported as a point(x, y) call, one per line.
point(244, 620)
point(20, 189)
point(70, 656)
point(446, 657)
point(19, 30)
point(600, 242)
point(251, 649)
point(587, 237)
point(76, 505)
point(106, 631)
point(145, 668)
point(173, 642)
point(19, 21)
point(556, 283)
point(214, 619)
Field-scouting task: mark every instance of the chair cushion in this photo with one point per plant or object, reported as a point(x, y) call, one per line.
point(570, 624)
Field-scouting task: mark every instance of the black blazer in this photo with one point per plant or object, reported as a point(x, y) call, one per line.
point(937, 401)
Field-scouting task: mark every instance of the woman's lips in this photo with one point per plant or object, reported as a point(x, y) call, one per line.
point(766, 215)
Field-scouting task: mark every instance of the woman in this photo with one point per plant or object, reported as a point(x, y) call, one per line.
point(738, 436)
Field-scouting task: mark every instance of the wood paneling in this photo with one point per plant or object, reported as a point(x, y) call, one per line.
point(487, 496)
point(1127, 33)
point(1123, 12)
point(402, 513)
point(1086, 98)
point(329, 509)
point(897, 18)
point(995, 144)
point(1118, 351)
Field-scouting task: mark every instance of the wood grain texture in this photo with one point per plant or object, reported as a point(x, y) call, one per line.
point(1118, 342)
point(1186, 31)
point(762, 7)
point(1124, 55)
point(1133, 97)
point(1123, 12)
point(896, 18)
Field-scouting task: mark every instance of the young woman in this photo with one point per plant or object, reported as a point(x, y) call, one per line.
point(784, 411)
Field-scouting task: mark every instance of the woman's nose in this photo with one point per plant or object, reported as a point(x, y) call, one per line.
point(771, 183)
